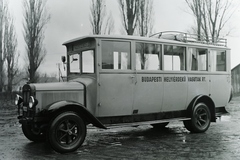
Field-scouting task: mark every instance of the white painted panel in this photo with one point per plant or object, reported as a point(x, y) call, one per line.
point(116, 94)
point(220, 89)
point(175, 92)
point(148, 93)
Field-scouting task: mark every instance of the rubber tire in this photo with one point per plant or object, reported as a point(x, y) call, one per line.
point(60, 122)
point(200, 119)
point(27, 131)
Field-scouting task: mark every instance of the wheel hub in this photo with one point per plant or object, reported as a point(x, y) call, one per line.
point(69, 132)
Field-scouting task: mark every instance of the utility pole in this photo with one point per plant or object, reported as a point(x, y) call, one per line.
point(59, 72)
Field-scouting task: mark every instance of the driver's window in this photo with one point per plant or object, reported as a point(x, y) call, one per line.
point(74, 63)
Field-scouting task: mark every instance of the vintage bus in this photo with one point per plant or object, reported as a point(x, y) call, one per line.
point(128, 81)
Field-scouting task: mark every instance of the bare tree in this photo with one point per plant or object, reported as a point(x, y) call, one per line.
point(145, 24)
point(129, 10)
point(212, 15)
point(2, 57)
point(35, 20)
point(218, 16)
point(99, 23)
point(10, 50)
point(196, 6)
point(98, 12)
point(109, 26)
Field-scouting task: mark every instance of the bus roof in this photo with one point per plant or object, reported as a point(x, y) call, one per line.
point(147, 39)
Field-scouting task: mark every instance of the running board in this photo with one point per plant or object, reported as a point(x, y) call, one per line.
point(134, 124)
point(221, 111)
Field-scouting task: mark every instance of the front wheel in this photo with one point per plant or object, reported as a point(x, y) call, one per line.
point(67, 132)
point(200, 120)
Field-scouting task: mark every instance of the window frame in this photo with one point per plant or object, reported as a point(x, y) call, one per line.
point(69, 62)
point(79, 53)
point(160, 56)
point(133, 69)
point(94, 61)
point(115, 70)
point(210, 61)
point(185, 57)
point(207, 61)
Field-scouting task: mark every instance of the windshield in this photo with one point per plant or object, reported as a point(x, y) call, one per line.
point(82, 62)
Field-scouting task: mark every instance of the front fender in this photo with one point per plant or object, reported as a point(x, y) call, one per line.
point(61, 106)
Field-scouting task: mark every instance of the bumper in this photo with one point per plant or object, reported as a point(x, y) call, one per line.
point(23, 119)
point(29, 116)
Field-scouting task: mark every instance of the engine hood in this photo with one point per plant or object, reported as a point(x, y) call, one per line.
point(59, 86)
point(81, 90)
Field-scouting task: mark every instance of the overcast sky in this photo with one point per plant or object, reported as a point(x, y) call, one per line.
point(70, 19)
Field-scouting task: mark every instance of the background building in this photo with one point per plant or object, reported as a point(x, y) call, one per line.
point(236, 79)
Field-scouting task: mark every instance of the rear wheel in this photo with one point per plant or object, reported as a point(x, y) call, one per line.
point(67, 132)
point(200, 120)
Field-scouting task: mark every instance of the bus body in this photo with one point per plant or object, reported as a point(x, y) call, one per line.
point(126, 80)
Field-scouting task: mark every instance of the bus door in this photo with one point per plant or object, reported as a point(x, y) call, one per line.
point(116, 79)
point(175, 78)
point(220, 77)
point(198, 79)
point(148, 91)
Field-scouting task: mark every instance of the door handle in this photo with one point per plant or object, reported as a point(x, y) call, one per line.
point(133, 81)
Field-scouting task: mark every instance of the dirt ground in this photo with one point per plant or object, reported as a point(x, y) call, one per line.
point(221, 141)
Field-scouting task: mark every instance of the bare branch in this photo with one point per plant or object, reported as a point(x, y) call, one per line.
point(109, 27)
point(212, 16)
point(145, 23)
point(98, 12)
point(129, 10)
point(35, 20)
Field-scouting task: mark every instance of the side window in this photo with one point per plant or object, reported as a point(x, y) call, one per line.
point(198, 59)
point(88, 61)
point(74, 63)
point(174, 58)
point(148, 56)
point(218, 60)
point(116, 55)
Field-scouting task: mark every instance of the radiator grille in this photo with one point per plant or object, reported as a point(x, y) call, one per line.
point(26, 95)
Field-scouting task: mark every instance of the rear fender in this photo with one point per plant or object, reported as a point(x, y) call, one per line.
point(207, 100)
point(58, 107)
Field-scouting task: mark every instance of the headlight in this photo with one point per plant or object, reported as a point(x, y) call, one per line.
point(31, 102)
point(18, 100)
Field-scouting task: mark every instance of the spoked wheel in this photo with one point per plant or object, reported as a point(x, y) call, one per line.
point(67, 132)
point(200, 120)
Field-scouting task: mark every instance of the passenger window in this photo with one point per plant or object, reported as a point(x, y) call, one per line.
point(148, 56)
point(218, 60)
point(116, 55)
point(174, 58)
point(198, 59)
